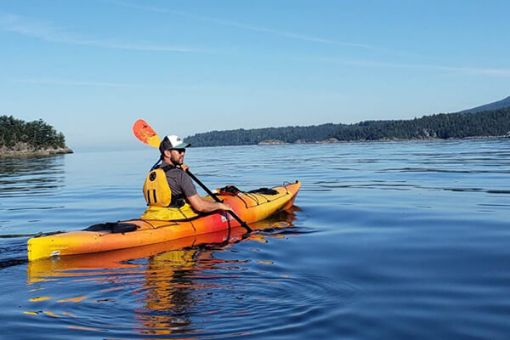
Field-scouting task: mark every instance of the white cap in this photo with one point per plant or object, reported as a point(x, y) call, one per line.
point(173, 142)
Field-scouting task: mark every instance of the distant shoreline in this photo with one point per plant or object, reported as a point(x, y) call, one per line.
point(439, 126)
point(28, 152)
point(424, 140)
point(336, 141)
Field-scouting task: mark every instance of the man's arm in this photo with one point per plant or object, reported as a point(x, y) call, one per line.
point(202, 205)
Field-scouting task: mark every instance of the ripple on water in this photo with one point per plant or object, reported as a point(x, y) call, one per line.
point(392, 240)
point(196, 292)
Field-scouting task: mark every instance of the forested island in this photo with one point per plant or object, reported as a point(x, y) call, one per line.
point(19, 138)
point(489, 123)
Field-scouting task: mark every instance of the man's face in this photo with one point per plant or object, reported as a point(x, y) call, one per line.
point(177, 156)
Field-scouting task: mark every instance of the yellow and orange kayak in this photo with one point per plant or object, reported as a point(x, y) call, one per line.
point(249, 206)
point(178, 253)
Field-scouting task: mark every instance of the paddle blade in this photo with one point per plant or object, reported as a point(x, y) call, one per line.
point(145, 133)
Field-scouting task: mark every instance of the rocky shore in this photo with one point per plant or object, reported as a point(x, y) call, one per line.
point(272, 142)
point(22, 150)
point(335, 141)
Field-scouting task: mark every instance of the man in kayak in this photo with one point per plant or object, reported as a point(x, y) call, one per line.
point(173, 149)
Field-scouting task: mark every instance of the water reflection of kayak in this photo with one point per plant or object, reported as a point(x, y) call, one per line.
point(249, 206)
point(179, 252)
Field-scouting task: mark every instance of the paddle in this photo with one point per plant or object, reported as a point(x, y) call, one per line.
point(146, 134)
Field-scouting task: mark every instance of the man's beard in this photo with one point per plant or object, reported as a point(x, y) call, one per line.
point(176, 162)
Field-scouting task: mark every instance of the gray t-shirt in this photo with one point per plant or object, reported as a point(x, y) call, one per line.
point(180, 183)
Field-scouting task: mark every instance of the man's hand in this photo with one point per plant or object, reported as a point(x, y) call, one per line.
point(184, 167)
point(224, 206)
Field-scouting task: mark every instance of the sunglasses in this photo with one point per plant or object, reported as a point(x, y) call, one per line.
point(180, 150)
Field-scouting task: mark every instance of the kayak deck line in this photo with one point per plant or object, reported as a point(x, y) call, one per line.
point(251, 207)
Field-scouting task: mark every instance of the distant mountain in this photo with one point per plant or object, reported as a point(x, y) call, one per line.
point(490, 120)
point(501, 104)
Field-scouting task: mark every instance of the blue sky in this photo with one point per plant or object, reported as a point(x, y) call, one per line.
point(90, 68)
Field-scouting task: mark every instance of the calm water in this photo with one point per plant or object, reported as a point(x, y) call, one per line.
point(388, 240)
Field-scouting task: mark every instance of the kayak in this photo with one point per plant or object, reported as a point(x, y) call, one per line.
point(184, 252)
point(251, 207)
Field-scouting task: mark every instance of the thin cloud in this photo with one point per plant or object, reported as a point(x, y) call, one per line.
point(493, 72)
point(222, 22)
point(69, 82)
point(50, 33)
point(284, 34)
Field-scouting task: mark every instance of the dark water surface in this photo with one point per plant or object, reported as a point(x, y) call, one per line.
point(388, 240)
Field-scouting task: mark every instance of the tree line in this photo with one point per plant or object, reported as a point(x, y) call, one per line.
point(442, 126)
point(37, 134)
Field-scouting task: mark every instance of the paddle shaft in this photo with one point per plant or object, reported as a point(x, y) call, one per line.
point(213, 195)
